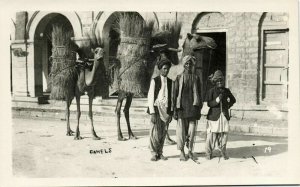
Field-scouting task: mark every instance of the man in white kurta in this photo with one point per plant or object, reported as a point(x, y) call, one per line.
point(159, 107)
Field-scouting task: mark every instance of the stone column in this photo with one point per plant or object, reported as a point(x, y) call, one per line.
point(34, 68)
point(19, 68)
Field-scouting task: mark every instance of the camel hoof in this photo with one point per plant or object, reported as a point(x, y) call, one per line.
point(132, 137)
point(182, 157)
point(78, 138)
point(121, 139)
point(96, 138)
point(70, 133)
point(170, 142)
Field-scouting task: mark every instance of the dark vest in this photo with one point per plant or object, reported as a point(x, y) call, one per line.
point(157, 88)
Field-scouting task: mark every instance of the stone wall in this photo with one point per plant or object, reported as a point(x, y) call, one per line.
point(242, 62)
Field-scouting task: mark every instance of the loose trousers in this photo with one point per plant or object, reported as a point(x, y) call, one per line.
point(185, 132)
point(158, 132)
point(220, 138)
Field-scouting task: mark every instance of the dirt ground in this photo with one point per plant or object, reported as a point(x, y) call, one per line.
point(41, 149)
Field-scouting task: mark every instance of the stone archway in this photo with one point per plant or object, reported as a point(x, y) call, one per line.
point(36, 18)
point(208, 20)
point(105, 19)
point(102, 18)
point(42, 47)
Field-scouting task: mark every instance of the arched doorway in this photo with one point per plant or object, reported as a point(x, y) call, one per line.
point(43, 50)
point(211, 24)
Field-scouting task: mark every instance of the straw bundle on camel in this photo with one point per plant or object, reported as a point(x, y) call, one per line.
point(63, 71)
point(133, 53)
point(164, 43)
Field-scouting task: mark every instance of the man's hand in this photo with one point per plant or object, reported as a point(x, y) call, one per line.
point(169, 119)
point(153, 118)
point(221, 97)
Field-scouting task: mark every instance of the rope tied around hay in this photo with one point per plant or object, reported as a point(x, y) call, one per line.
point(137, 59)
point(134, 40)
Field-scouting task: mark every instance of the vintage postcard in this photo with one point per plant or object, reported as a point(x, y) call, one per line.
point(109, 93)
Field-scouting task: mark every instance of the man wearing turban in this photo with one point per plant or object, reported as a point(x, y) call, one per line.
point(159, 107)
point(219, 99)
point(187, 104)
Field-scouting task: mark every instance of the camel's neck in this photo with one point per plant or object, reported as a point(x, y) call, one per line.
point(89, 75)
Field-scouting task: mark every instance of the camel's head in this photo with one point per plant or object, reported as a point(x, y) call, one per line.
point(194, 42)
point(98, 53)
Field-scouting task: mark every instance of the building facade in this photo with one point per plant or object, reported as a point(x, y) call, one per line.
point(252, 50)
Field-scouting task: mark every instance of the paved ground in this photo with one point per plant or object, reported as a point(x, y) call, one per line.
point(41, 149)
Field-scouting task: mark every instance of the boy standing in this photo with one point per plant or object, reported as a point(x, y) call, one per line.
point(159, 102)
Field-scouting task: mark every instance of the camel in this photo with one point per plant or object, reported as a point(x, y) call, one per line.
point(87, 79)
point(201, 47)
point(71, 78)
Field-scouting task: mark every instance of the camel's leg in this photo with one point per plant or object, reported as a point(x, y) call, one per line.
point(126, 113)
point(68, 103)
point(77, 135)
point(95, 137)
point(118, 112)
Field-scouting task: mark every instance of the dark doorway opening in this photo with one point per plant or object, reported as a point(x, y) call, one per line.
point(214, 59)
point(114, 41)
point(43, 50)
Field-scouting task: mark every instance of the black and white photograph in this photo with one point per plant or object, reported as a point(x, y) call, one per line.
point(162, 93)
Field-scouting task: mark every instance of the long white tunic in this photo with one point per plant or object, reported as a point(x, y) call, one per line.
point(162, 99)
point(221, 125)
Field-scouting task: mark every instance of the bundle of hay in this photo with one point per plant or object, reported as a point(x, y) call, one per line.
point(169, 34)
point(133, 52)
point(63, 74)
